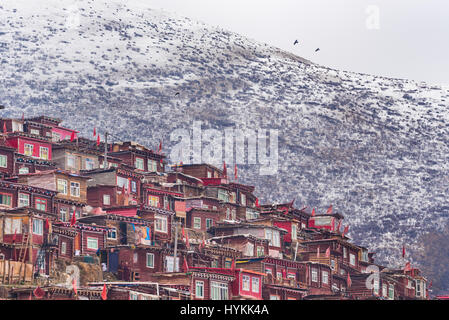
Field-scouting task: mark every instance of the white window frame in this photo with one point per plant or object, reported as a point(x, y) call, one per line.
point(35, 132)
point(74, 187)
point(28, 146)
point(255, 283)
point(89, 163)
point(139, 163)
point(246, 286)
point(199, 289)
point(151, 265)
point(352, 259)
point(23, 200)
point(89, 242)
point(196, 222)
point(3, 161)
point(112, 234)
point(108, 197)
point(314, 274)
point(219, 290)
point(41, 152)
point(160, 227)
point(63, 247)
point(63, 183)
point(325, 277)
point(71, 158)
point(38, 227)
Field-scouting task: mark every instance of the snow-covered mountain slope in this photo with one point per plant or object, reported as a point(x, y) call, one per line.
point(374, 147)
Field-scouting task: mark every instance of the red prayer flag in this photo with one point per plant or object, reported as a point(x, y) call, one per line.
point(318, 252)
point(328, 252)
point(160, 147)
point(257, 203)
point(187, 241)
point(403, 251)
point(233, 265)
point(14, 236)
point(329, 210)
point(186, 266)
point(408, 267)
point(333, 224)
point(98, 140)
point(349, 280)
point(74, 286)
point(39, 293)
point(104, 293)
point(47, 224)
point(73, 221)
point(235, 171)
point(4, 127)
point(313, 212)
point(95, 132)
point(72, 136)
point(345, 231)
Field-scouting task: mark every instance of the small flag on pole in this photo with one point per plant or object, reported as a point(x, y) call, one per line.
point(225, 171)
point(349, 280)
point(98, 140)
point(72, 136)
point(186, 266)
point(104, 293)
point(74, 286)
point(328, 252)
point(403, 251)
point(95, 132)
point(39, 293)
point(235, 171)
point(329, 210)
point(313, 212)
point(73, 221)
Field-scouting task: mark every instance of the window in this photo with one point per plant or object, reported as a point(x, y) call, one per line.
point(35, 132)
point(3, 161)
point(112, 234)
point(345, 252)
point(274, 297)
point(5, 199)
point(245, 283)
point(43, 153)
point(199, 289)
point(24, 200)
point(352, 259)
point(133, 186)
point(333, 266)
point(41, 204)
point(209, 223)
point(63, 247)
point(219, 290)
point(223, 195)
point(106, 199)
point(28, 149)
point(139, 164)
point(150, 260)
point(153, 201)
point(89, 164)
point(294, 232)
point(38, 227)
point(55, 137)
point(249, 249)
point(314, 275)
point(325, 277)
point(251, 214)
point(62, 186)
point(243, 199)
point(169, 264)
point(13, 225)
point(260, 251)
point(384, 290)
point(74, 189)
point(92, 243)
point(391, 291)
point(152, 165)
point(24, 170)
point(209, 174)
point(63, 214)
point(71, 161)
point(376, 286)
point(160, 223)
point(255, 284)
point(197, 223)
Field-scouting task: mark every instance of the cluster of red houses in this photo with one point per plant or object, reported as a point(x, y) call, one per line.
point(188, 232)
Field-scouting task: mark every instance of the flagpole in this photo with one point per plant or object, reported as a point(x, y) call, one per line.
point(176, 247)
point(105, 162)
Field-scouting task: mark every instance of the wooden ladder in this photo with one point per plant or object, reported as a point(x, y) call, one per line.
point(22, 253)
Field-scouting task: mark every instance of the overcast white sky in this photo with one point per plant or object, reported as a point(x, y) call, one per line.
point(412, 40)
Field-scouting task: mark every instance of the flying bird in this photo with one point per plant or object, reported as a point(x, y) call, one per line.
point(296, 41)
point(317, 49)
point(177, 93)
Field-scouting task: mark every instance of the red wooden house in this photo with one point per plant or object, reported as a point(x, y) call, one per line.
point(30, 145)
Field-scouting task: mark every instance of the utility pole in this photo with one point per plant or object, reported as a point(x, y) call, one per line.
point(176, 248)
point(105, 162)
